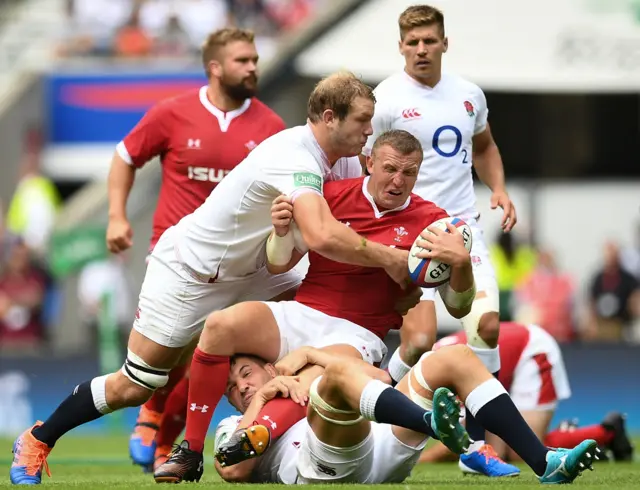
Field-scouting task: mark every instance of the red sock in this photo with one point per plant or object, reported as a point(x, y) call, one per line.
point(159, 398)
point(208, 382)
point(279, 415)
point(175, 414)
point(571, 438)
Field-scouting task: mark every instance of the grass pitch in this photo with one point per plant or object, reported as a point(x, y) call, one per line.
point(102, 462)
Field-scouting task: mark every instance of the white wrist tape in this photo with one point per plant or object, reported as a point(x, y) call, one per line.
point(454, 299)
point(280, 248)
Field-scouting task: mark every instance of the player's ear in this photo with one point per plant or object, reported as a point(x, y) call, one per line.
point(215, 69)
point(270, 368)
point(328, 117)
point(369, 165)
point(400, 47)
point(446, 44)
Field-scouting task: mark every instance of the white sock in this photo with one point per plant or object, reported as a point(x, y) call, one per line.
point(99, 394)
point(489, 357)
point(483, 394)
point(397, 368)
point(369, 398)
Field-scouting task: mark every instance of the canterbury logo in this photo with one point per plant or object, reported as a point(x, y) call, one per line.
point(411, 113)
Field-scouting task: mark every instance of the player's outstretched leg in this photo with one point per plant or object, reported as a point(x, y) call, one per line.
point(482, 327)
point(488, 401)
point(87, 402)
point(611, 435)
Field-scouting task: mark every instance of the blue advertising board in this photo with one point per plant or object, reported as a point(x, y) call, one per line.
point(102, 108)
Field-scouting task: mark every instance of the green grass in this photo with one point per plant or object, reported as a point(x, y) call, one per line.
point(102, 462)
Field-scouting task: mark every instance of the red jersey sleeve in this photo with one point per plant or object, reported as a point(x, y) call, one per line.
point(276, 125)
point(148, 139)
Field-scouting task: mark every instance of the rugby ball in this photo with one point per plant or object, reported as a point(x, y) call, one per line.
point(431, 273)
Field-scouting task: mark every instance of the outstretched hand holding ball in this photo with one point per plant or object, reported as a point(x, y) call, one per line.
point(444, 243)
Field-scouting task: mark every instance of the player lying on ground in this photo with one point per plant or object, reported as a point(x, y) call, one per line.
point(336, 443)
point(534, 374)
point(215, 257)
point(449, 116)
point(199, 137)
point(335, 299)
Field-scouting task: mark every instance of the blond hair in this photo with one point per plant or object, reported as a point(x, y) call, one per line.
point(219, 39)
point(400, 140)
point(420, 16)
point(336, 93)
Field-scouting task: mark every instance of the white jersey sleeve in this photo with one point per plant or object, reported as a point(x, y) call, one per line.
point(298, 175)
point(483, 112)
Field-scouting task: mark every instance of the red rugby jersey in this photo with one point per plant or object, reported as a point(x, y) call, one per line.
point(365, 296)
point(198, 144)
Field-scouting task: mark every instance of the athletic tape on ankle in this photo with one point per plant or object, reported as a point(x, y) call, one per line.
point(417, 398)
point(316, 402)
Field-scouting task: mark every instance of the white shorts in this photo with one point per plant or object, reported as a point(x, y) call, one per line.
point(303, 326)
point(483, 272)
point(173, 303)
point(380, 458)
point(540, 379)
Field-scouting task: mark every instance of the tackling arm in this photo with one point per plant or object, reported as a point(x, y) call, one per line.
point(325, 235)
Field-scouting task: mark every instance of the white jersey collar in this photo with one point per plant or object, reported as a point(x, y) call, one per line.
point(376, 211)
point(224, 118)
point(419, 85)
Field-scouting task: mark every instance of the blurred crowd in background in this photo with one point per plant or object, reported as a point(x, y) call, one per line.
point(166, 28)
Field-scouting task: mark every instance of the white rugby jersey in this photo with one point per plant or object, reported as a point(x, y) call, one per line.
point(225, 237)
point(444, 118)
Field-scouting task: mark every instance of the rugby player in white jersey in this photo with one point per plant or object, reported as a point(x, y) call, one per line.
point(215, 257)
point(448, 115)
point(337, 443)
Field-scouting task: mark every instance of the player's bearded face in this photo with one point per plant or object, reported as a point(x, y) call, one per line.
point(422, 48)
point(393, 176)
point(350, 134)
point(239, 77)
point(245, 379)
